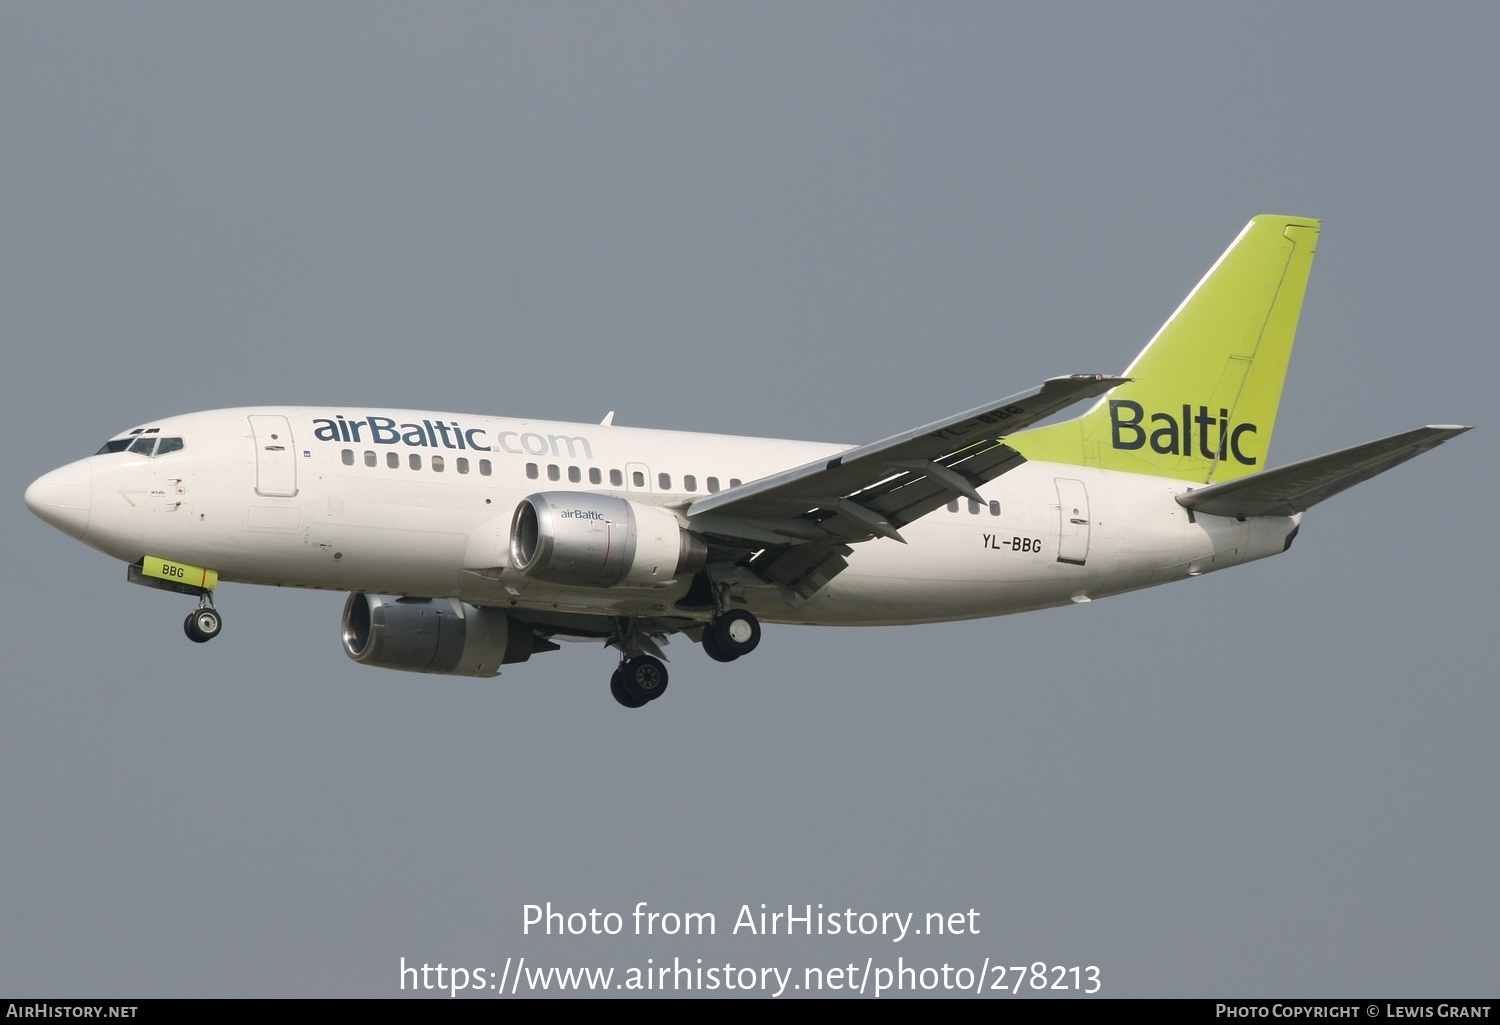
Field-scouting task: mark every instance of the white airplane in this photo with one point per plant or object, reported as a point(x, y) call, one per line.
point(502, 536)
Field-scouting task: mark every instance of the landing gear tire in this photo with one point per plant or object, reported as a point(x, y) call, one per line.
point(711, 646)
point(202, 625)
point(617, 688)
point(735, 633)
point(643, 679)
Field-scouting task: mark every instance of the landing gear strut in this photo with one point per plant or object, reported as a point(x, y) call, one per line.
point(638, 680)
point(204, 623)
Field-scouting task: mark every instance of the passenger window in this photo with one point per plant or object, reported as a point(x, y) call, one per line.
point(414, 461)
point(393, 460)
point(690, 483)
point(953, 506)
point(484, 467)
point(348, 457)
point(463, 465)
point(638, 478)
point(369, 458)
point(616, 479)
point(734, 482)
point(595, 477)
point(664, 481)
point(143, 446)
point(533, 471)
point(553, 473)
point(713, 485)
point(575, 474)
point(973, 508)
point(168, 445)
point(994, 508)
point(437, 464)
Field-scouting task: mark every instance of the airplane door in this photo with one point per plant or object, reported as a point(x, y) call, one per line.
point(275, 457)
point(1073, 525)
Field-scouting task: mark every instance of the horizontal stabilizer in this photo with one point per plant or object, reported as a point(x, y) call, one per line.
point(1300, 486)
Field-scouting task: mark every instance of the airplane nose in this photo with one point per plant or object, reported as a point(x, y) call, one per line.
point(62, 497)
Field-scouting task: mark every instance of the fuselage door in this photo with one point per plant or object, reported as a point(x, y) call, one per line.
point(1073, 521)
point(275, 457)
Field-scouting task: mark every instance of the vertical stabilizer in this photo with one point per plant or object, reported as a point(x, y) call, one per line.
point(1202, 401)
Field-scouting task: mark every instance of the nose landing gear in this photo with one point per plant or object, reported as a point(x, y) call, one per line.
point(203, 623)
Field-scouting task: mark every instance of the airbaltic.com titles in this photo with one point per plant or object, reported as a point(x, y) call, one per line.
point(796, 920)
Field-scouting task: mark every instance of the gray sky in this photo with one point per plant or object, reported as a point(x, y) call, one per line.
point(828, 221)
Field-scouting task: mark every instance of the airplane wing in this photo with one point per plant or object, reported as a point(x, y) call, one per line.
point(1302, 485)
point(803, 520)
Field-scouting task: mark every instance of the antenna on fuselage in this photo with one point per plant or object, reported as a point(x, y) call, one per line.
point(609, 419)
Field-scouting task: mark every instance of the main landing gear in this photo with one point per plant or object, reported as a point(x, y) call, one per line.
point(642, 678)
point(203, 623)
point(732, 635)
point(639, 680)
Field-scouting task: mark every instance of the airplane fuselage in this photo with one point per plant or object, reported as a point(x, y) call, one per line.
point(421, 503)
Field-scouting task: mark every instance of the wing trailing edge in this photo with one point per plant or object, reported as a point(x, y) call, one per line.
point(875, 489)
point(801, 522)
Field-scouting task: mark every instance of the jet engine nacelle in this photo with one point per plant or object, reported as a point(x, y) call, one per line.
point(573, 537)
point(432, 635)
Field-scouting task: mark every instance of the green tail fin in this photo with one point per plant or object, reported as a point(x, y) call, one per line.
point(1202, 400)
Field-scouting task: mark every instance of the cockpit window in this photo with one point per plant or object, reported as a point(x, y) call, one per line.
point(142, 446)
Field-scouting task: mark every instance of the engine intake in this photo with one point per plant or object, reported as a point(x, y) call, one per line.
point(432, 635)
point(574, 537)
